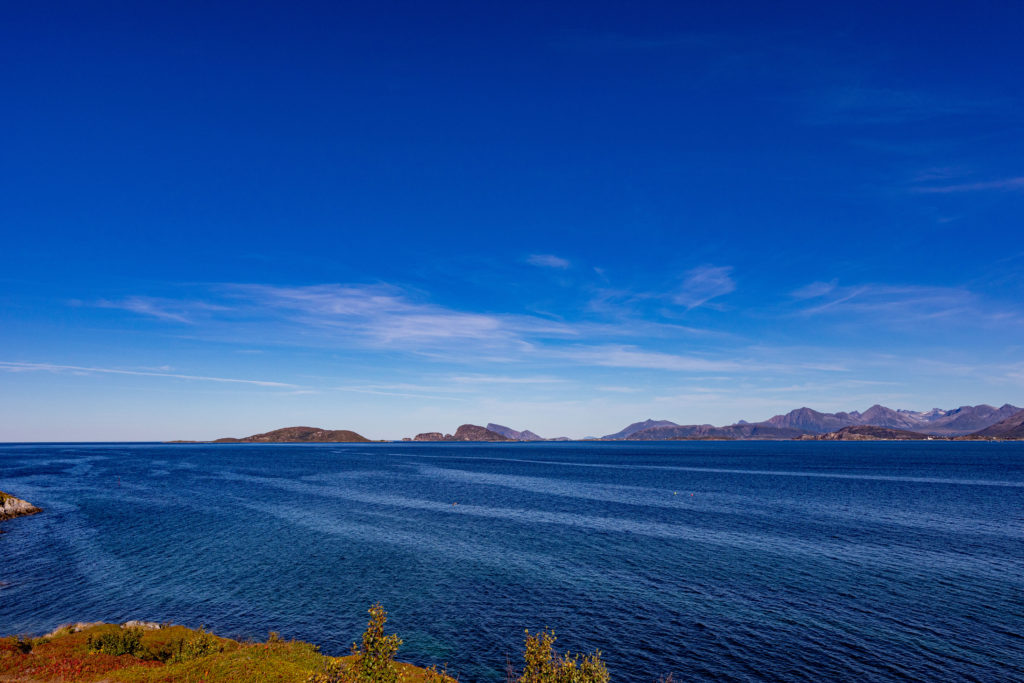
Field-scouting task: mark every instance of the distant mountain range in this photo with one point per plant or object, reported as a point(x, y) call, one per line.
point(1010, 428)
point(877, 422)
point(632, 429)
point(508, 433)
point(957, 422)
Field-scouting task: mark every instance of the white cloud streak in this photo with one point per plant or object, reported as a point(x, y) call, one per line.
point(904, 302)
point(162, 309)
point(548, 261)
point(385, 315)
point(703, 284)
point(497, 379)
point(371, 389)
point(617, 356)
point(14, 366)
point(1003, 184)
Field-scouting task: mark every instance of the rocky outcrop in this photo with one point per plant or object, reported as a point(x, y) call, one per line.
point(11, 507)
point(868, 433)
point(301, 435)
point(477, 433)
point(464, 433)
point(432, 436)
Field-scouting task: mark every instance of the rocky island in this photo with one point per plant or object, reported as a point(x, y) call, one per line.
point(466, 432)
point(11, 507)
point(869, 433)
point(294, 435)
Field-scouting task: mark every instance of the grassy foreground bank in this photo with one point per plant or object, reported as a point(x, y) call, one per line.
point(150, 653)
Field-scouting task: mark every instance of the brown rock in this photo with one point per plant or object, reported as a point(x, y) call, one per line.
point(11, 507)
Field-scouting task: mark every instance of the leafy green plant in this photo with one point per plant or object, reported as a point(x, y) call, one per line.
point(544, 665)
point(201, 644)
point(374, 662)
point(433, 675)
point(126, 641)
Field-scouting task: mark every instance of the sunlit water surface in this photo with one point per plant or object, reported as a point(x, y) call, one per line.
point(724, 561)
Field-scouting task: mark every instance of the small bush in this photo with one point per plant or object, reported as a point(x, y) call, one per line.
point(334, 671)
point(544, 665)
point(374, 662)
point(126, 641)
point(434, 676)
point(199, 645)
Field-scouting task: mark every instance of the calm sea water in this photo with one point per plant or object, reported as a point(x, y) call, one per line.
point(724, 561)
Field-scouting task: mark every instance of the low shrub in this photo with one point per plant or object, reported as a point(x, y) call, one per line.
point(201, 644)
point(544, 665)
point(374, 662)
point(433, 675)
point(126, 641)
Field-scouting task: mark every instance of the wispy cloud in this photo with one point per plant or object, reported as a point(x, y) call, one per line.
point(548, 261)
point(144, 306)
point(703, 284)
point(1004, 184)
point(619, 356)
point(386, 315)
point(15, 366)
point(900, 304)
point(384, 390)
point(815, 290)
point(510, 353)
point(163, 309)
point(501, 379)
point(910, 301)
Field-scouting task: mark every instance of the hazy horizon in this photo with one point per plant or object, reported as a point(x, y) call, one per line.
point(566, 218)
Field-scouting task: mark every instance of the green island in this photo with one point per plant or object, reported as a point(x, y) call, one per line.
point(146, 652)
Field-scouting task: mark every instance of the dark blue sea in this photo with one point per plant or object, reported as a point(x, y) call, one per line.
point(712, 561)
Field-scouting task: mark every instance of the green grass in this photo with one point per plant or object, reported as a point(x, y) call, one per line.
point(72, 656)
point(91, 653)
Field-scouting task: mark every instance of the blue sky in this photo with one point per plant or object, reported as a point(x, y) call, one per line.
point(395, 217)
